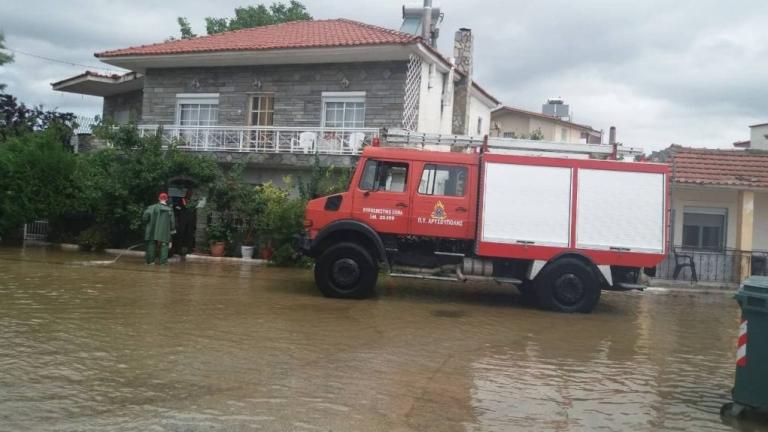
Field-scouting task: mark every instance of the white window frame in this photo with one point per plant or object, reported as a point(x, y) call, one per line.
point(353, 96)
point(194, 98)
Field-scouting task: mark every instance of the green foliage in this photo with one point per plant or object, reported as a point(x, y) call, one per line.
point(4, 57)
point(37, 178)
point(280, 221)
point(16, 119)
point(184, 28)
point(536, 135)
point(217, 231)
point(323, 181)
point(116, 184)
point(251, 16)
point(93, 238)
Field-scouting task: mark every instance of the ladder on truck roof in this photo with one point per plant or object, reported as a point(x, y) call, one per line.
point(406, 138)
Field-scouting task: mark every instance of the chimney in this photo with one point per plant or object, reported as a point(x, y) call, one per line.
point(462, 52)
point(613, 143)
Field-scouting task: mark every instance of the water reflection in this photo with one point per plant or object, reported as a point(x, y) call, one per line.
point(195, 346)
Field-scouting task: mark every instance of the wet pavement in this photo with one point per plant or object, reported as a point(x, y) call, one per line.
point(199, 346)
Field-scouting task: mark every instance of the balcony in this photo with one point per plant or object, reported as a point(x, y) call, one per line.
point(723, 267)
point(260, 139)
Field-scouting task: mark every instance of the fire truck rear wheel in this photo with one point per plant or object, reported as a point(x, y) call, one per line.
point(568, 285)
point(346, 270)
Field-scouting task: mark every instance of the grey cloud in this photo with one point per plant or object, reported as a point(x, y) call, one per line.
point(690, 71)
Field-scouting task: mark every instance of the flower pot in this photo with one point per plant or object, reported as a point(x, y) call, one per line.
point(246, 252)
point(217, 249)
point(265, 253)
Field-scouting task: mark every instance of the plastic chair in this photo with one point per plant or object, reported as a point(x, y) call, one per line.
point(306, 142)
point(683, 261)
point(355, 142)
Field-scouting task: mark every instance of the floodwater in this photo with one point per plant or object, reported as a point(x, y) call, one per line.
point(198, 346)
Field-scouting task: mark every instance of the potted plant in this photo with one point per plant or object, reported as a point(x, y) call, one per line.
point(248, 245)
point(249, 205)
point(217, 236)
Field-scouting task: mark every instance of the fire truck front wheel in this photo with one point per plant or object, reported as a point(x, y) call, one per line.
point(346, 270)
point(568, 285)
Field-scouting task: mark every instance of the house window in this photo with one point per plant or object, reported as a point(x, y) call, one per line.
point(479, 125)
point(563, 134)
point(384, 176)
point(509, 134)
point(343, 109)
point(443, 180)
point(262, 110)
point(704, 228)
point(197, 109)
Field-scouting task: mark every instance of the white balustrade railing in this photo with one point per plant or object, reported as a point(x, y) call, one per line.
point(260, 139)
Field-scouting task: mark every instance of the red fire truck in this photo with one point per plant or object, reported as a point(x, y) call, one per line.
point(560, 228)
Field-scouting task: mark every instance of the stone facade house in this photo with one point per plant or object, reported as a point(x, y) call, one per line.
point(284, 92)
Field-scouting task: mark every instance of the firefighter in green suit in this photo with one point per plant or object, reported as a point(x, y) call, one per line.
point(160, 225)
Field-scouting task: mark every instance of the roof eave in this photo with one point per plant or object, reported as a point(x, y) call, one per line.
point(92, 84)
point(694, 184)
point(340, 54)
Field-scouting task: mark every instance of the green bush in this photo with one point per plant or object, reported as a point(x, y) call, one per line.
point(37, 178)
point(116, 184)
point(280, 221)
point(93, 238)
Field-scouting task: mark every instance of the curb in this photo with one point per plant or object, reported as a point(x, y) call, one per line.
point(193, 257)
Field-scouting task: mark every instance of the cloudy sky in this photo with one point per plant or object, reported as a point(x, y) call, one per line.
point(692, 72)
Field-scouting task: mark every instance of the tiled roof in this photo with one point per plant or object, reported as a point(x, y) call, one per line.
point(296, 34)
point(736, 168)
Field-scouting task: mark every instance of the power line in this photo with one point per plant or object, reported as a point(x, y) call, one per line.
point(59, 61)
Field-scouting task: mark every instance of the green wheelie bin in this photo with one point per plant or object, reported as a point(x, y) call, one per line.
point(750, 390)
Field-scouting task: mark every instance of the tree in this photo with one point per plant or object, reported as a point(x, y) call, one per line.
point(4, 58)
point(251, 16)
point(185, 28)
point(37, 178)
point(16, 119)
point(115, 184)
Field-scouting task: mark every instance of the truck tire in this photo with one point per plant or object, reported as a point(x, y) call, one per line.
point(346, 270)
point(568, 285)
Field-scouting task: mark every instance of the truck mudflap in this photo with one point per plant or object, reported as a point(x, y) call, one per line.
point(302, 243)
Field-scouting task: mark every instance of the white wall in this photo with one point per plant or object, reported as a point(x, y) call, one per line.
point(757, 137)
point(521, 123)
point(430, 100)
point(479, 109)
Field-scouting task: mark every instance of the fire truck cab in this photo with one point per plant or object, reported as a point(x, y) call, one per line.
point(560, 229)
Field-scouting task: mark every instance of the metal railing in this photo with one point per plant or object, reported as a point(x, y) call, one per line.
point(37, 230)
point(722, 266)
point(258, 139)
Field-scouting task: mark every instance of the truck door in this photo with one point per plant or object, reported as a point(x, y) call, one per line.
point(382, 198)
point(442, 203)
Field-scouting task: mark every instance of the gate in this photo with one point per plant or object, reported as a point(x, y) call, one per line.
point(37, 230)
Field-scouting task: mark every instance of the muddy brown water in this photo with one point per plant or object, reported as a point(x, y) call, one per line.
point(198, 346)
